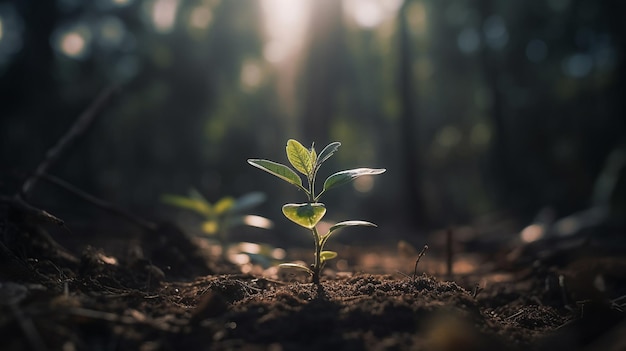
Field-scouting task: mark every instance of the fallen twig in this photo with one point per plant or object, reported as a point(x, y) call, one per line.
point(619, 303)
point(18, 204)
point(78, 128)
point(518, 313)
point(104, 205)
point(29, 211)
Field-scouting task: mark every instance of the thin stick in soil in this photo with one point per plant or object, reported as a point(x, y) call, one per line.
point(419, 257)
point(449, 253)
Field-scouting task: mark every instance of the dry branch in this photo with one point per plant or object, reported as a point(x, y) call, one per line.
point(104, 205)
point(78, 128)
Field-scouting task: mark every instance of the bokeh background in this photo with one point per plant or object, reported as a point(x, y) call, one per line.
point(480, 110)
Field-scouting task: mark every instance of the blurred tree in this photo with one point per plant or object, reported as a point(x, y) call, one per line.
point(323, 71)
point(499, 173)
point(411, 159)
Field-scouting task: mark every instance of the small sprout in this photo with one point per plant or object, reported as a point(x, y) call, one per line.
point(327, 255)
point(308, 214)
point(223, 214)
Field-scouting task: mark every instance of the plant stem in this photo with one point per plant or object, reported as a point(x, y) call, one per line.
point(317, 266)
point(311, 194)
point(312, 186)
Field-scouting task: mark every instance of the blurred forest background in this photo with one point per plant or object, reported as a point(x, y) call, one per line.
point(476, 108)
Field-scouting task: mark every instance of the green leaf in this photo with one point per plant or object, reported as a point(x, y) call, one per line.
point(299, 157)
point(211, 227)
point(327, 255)
point(344, 224)
point(197, 205)
point(279, 170)
point(350, 224)
point(296, 266)
point(306, 215)
point(347, 176)
point(196, 195)
point(249, 201)
point(328, 151)
point(224, 205)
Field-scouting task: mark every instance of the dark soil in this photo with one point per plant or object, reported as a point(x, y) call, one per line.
point(159, 292)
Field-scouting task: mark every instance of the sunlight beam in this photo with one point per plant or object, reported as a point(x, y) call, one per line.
point(285, 26)
point(370, 14)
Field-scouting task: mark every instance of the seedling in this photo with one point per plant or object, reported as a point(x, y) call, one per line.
point(308, 214)
point(223, 214)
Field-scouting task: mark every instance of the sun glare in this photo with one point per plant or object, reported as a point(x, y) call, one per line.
point(74, 42)
point(258, 221)
point(371, 13)
point(200, 17)
point(285, 24)
point(164, 15)
point(532, 233)
point(121, 3)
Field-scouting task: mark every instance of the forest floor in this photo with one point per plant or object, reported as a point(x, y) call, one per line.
point(160, 292)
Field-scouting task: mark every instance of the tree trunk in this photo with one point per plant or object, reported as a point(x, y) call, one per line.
point(322, 70)
point(408, 117)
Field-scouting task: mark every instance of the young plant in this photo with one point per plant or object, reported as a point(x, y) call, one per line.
point(308, 214)
point(223, 214)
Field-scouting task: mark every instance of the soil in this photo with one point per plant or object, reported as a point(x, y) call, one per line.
point(160, 291)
